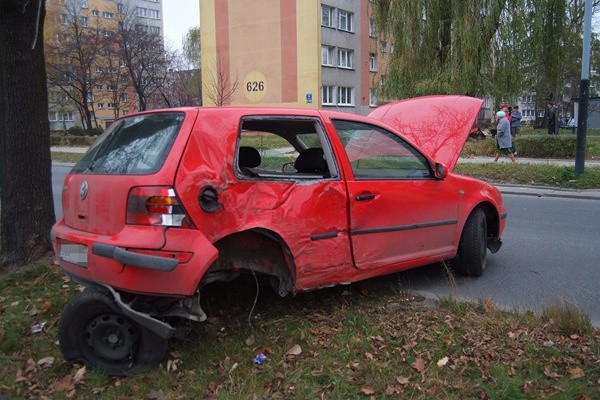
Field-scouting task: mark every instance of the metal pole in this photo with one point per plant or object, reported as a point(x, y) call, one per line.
point(584, 90)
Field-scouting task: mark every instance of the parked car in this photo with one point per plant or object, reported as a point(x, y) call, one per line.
point(168, 201)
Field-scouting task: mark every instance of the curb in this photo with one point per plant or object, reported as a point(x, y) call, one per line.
point(544, 191)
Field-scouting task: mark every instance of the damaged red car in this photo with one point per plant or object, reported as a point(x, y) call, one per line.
point(166, 202)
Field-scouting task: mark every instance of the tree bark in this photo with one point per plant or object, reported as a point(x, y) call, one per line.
point(26, 206)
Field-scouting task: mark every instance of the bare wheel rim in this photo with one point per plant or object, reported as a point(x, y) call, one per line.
point(111, 337)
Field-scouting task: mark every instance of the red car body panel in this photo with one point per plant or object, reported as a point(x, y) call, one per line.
point(331, 236)
point(439, 125)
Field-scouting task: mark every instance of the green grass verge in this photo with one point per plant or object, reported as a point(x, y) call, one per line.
point(367, 339)
point(532, 174)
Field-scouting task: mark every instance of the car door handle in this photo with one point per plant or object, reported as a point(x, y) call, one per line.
point(365, 196)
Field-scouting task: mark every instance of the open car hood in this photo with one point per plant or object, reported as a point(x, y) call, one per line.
point(439, 125)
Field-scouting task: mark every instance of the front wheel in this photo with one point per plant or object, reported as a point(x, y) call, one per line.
point(472, 250)
point(93, 331)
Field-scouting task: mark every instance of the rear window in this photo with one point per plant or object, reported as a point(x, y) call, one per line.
point(137, 145)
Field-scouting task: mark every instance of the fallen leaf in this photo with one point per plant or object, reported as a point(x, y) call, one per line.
point(46, 361)
point(550, 374)
point(79, 375)
point(369, 356)
point(46, 306)
point(367, 391)
point(296, 350)
point(65, 384)
point(419, 365)
point(402, 380)
point(250, 341)
point(575, 336)
point(448, 342)
point(442, 362)
point(173, 365)
point(29, 365)
point(576, 373)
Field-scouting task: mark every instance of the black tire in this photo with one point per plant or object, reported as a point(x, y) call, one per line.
point(472, 250)
point(93, 331)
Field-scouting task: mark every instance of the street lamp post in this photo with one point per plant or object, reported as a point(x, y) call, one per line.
point(584, 90)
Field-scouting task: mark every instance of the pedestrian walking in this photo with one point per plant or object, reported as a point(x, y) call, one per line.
point(551, 115)
point(515, 121)
point(503, 138)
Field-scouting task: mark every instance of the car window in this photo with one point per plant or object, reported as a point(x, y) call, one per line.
point(375, 153)
point(283, 147)
point(137, 145)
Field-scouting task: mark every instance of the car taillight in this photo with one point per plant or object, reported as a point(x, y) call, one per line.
point(158, 206)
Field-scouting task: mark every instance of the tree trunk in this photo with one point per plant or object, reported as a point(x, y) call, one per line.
point(27, 209)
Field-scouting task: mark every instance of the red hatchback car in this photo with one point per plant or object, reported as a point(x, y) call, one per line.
point(168, 201)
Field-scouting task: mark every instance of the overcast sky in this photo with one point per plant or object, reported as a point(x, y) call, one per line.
point(178, 17)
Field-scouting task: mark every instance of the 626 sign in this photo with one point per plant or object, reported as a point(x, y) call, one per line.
point(255, 86)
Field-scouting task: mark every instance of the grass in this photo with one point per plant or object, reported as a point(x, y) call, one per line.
point(368, 340)
point(531, 174)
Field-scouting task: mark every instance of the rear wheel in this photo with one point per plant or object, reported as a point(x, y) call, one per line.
point(472, 250)
point(93, 331)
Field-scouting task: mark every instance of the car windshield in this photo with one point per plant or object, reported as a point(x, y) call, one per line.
point(137, 145)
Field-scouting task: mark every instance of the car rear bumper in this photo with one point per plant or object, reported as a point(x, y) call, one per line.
point(140, 259)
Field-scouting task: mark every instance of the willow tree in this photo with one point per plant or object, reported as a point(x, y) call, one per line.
point(454, 46)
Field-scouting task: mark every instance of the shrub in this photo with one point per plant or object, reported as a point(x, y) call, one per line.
point(535, 146)
point(59, 140)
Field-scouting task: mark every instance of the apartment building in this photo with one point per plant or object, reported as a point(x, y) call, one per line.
point(109, 92)
point(303, 53)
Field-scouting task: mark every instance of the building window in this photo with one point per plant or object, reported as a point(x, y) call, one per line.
point(98, 87)
point(155, 30)
point(345, 21)
point(100, 106)
point(112, 105)
point(120, 7)
point(84, 22)
point(328, 95)
point(327, 16)
point(153, 14)
point(95, 13)
point(392, 49)
point(383, 80)
point(99, 69)
point(124, 97)
point(125, 112)
point(84, 4)
point(373, 62)
point(110, 88)
point(141, 12)
point(108, 15)
point(67, 116)
point(124, 80)
point(372, 28)
point(383, 46)
point(345, 58)
point(372, 98)
point(52, 116)
point(345, 96)
point(327, 55)
point(90, 98)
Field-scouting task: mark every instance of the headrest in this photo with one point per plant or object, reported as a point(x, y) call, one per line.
point(311, 161)
point(248, 157)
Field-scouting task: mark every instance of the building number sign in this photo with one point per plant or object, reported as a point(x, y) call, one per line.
point(255, 86)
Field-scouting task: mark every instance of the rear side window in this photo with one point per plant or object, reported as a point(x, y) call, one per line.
point(137, 145)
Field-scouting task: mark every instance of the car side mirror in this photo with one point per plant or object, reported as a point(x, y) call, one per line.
point(440, 171)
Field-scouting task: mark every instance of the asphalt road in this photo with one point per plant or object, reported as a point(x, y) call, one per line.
point(551, 254)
